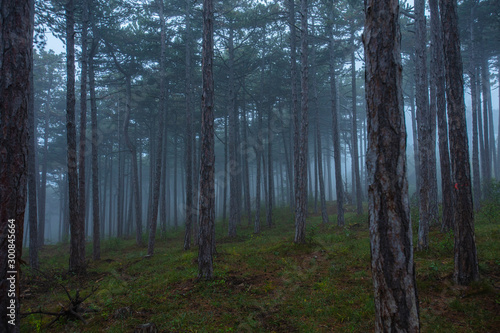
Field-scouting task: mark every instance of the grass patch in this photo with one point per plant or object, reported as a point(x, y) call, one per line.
point(263, 283)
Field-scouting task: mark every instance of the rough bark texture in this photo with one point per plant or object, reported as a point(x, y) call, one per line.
point(396, 302)
point(301, 186)
point(83, 118)
point(476, 179)
point(207, 162)
point(15, 66)
point(32, 167)
point(77, 237)
point(423, 118)
point(96, 223)
point(159, 150)
point(295, 101)
point(354, 134)
point(466, 266)
point(189, 134)
point(438, 80)
point(335, 127)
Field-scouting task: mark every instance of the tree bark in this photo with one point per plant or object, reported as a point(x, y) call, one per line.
point(188, 153)
point(159, 149)
point(438, 81)
point(476, 185)
point(32, 168)
point(295, 102)
point(16, 54)
point(319, 152)
point(270, 173)
point(354, 134)
point(339, 185)
point(234, 168)
point(83, 121)
point(466, 265)
point(77, 238)
point(207, 190)
point(423, 122)
point(43, 182)
point(393, 272)
point(96, 230)
point(301, 187)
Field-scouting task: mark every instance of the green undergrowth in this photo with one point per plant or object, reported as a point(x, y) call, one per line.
point(263, 282)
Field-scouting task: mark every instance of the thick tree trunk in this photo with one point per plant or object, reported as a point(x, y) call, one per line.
point(476, 185)
point(16, 58)
point(32, 167)
point(159, 149)
point(438, 80)
point(339, 185)
point(393, 272)
point(466, 265)
point(188, 153)
point(295, 102)
point(96, 230)
point(354, 134)
point(207, 162)
point(77, 241)
point(423, 121)
point(83, 121)
point(301, 186)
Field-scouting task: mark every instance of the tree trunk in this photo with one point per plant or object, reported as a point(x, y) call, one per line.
point(83, 122)
point(234, 169)
point(77, 241)
point(207, 189)
point(423, 122)
point(466, 266)
point(488, 106)
point(32, 169)
point(301, 192)
point(188, 153)
point(319, 153)
point(486, 138)
point(476, 185)
point(393, 273)
point(224, 199)
point(354, 134)
point(246, 150)
point(295, 103)
point(43, 182)
point(339, 185)
point(96, 230)
point(270, 173)
point(135, 171)
point(438, 81)
point(16, 54)
point(159, 149)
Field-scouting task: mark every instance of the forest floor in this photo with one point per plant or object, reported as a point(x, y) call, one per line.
point(263, 283)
